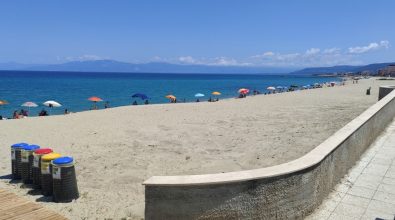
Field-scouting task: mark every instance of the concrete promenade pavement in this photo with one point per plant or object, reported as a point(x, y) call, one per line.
point(368, 190)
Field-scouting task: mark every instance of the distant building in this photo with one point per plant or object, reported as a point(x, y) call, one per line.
point(388, 71)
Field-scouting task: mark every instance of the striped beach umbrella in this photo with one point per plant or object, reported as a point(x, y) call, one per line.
point(29, 105)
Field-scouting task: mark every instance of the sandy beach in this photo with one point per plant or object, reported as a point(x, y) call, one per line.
point(117, 149)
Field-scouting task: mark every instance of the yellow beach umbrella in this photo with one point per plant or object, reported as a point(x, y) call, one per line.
point(216, 93)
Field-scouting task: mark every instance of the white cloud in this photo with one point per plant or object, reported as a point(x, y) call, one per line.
point(310, 57)
point(86, 57)
point(332, 50)
point(313, 51)
point(268, 54)
point(216, 61)
point(265, 54)
point(224, 61)
point(384, 44)
point(187, 60)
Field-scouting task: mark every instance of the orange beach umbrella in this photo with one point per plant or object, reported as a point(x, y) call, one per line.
point(95, 99)
point(3, 102)
point(216, 93)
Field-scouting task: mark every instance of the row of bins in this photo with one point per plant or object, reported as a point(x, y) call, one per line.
point(46, 170)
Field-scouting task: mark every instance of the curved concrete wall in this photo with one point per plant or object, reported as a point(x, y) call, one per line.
point(287, 191)
point(385, 90)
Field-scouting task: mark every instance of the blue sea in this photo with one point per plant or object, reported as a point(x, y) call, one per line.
point(72, 89)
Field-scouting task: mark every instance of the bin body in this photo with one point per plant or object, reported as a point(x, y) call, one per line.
point(14, 161)
point(46, 173)
point(65, 187)
point(27, 163)
point(36, 168)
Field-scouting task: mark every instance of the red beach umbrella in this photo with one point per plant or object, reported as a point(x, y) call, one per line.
point(244, 91)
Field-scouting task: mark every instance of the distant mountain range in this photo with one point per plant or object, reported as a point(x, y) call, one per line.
point(373, 68)
point(153, 67)
point(158, 67)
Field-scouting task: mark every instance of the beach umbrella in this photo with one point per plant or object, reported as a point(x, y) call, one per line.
point(52, 103)
point(294, 86)
point(29, 105)
point(243, 91)
point(95, 99)
point(279, 87)
point(271, 88)
point(198, 95)
point(171, 97)
point(3, 102)
point(140, 95)
point(216, 93)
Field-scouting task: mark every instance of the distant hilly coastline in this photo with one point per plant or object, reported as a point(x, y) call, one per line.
point(153, 67)
point(161, 67)
point(372, 68)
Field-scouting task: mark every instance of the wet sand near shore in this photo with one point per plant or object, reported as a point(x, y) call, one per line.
point(117, 149)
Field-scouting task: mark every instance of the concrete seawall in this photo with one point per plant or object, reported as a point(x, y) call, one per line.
point(287, 191)
point(385, 90)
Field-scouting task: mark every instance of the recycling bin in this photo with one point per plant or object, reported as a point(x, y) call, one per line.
point(65, 187)
point(27, 162)
point(46, 173)
point(16, 159)
point(36, 169)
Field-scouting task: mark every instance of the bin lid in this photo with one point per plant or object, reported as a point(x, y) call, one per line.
point(43, 151)
point(63, 160)
point(19, 145)
point(50, 156)
point(31, 147)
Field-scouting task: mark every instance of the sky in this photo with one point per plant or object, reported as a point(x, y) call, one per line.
point(275, 33)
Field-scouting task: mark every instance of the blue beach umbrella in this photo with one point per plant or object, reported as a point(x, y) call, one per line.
point(140, 95)
point(198, 95)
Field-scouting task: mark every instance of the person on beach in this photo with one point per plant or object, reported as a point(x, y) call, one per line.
point(43, 113)
point(107, 104)
point(15, 115)
point(197, 100)
point(66, 111)
point(24, 113)
point(135, 103)
point(146, 102)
